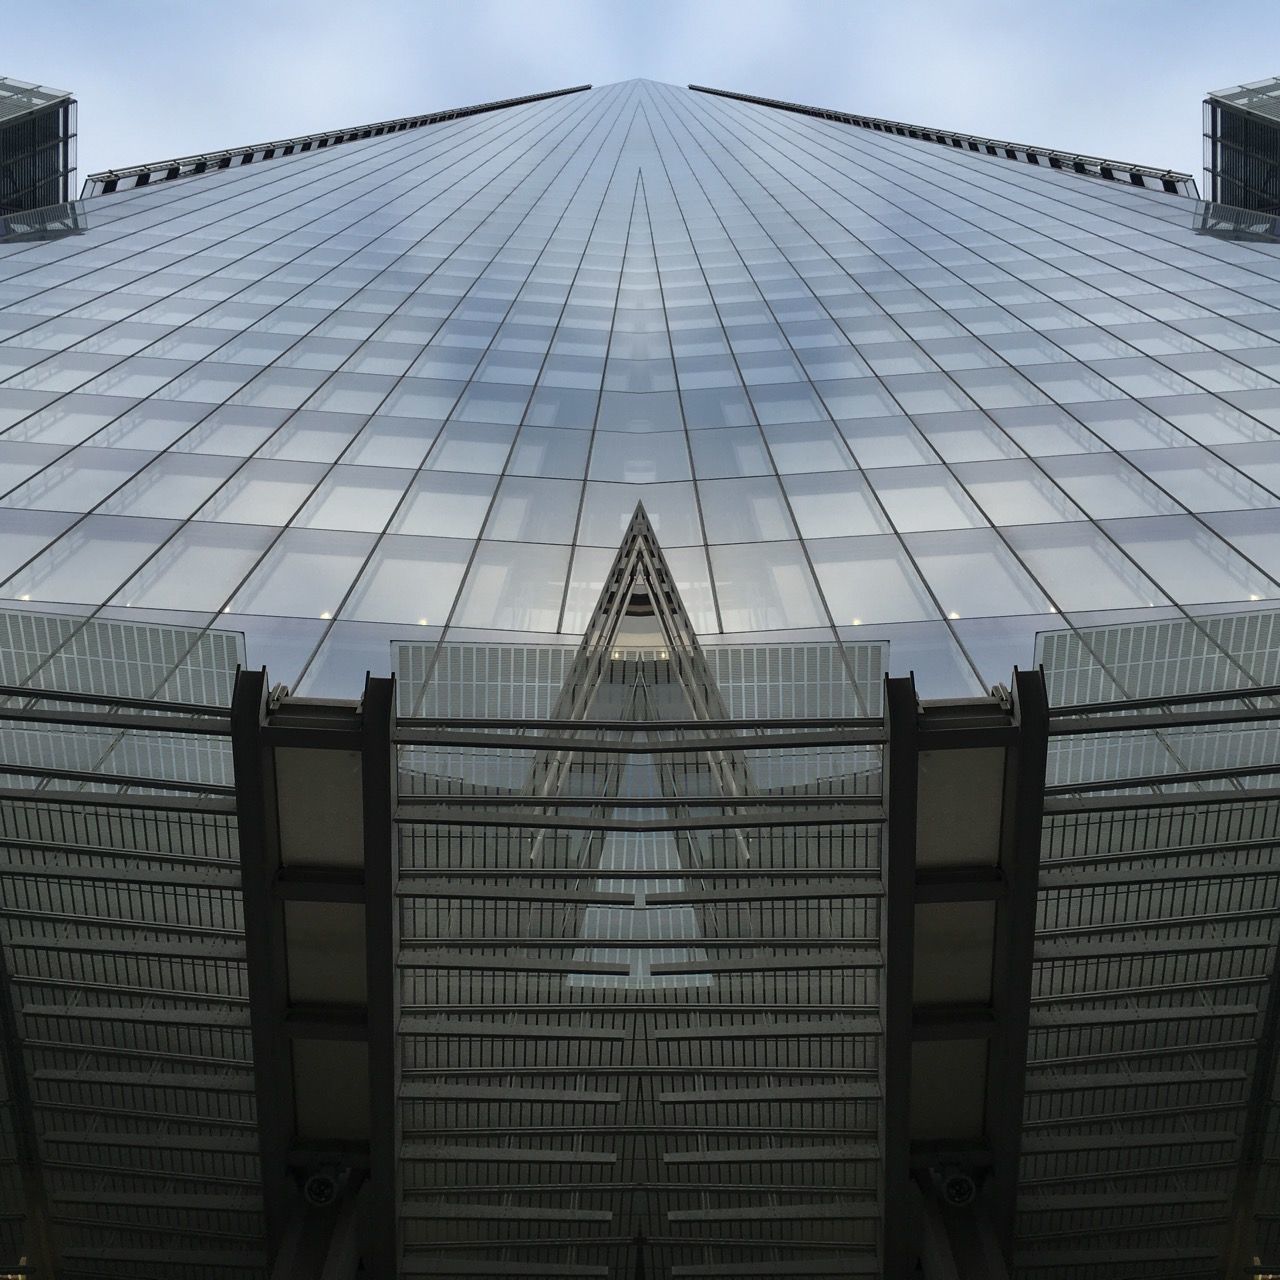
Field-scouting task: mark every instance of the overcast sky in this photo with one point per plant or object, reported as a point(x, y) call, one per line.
point(1118, 78)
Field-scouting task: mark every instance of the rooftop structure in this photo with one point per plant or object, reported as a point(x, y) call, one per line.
point(640, 681)
point(37, 146)
point(1242, 146)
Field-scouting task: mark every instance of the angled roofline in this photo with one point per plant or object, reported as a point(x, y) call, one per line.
point(32, 97)
point(1254, 87)
point(112, 180)
point(1152, 179)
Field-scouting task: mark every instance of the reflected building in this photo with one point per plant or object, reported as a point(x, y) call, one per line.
point(676, 479)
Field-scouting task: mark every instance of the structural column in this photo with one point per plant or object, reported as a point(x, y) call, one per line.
point(964, 788)
point(314, 790)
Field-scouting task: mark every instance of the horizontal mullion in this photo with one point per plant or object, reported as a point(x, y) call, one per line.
point(1162, 800)
point(779, 799)
point(113, 780)
point(867, 815)
point(201, 802)
point(121, 721)
point(416, 950)
point(563, 743)
point(34, 694)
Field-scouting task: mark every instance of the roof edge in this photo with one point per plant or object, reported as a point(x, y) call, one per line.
point(126, 179)
point(1146, 176)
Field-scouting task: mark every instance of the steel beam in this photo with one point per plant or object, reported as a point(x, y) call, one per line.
point(898, 933)
point(38, 1231)
point(382, 944)
point(264, 946)
point(1015, 941)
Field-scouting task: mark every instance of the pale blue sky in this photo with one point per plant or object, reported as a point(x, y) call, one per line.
point(1120, 78)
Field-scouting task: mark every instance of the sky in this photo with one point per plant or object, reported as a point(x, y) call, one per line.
point(1123, 79)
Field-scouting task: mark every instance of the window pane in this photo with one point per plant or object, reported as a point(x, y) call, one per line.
point(410, 580)
point(354, 498)
point(836, 505)
point(607, 510)
point(1107, 485)
point(924, 498)
point(1016, 492)
point(445, 504)
point(200, 566)
point(867, 580)
point(263, 492)
point(973, 574)
point(767, 587)
point(751, 510)
point(305, 575)
point(87, 564)
point(1081, 568)
point(527, 510)
point(514, 587)
point(1192, 564)
point(174, 485)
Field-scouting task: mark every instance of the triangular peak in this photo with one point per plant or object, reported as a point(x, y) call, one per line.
point(640, 608)
point(640, 618)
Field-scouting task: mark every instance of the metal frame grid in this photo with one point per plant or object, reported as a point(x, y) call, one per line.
point(700, 1094)
point(125, 982)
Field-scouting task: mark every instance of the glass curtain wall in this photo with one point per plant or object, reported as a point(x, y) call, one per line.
point(411, 389)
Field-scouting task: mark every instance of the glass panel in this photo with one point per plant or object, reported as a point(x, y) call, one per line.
point(767, 587)
point(197, 569)
point(1260, 462)
point(514, 587)
point(550, 451)
point(263, 492)
point(886, 442)
point(19, 460)
point(834, 506)
point(445, 504)
point(1191, 563)
point(752, 510)
point(1255, 534)
point(730, 451)
point(1105, 485)
point(966, 437)
point(305, 575)
point(1016, 493)
point(392, 442)
point(1044, 432)
point(90, 561)
point(1201, 481)
point(313, 437)
point(867, 580)
point(639, 458)
point(1081, 568)
point(24, 534)
point(972, 571)
point(79, 481)
point(807, 447)
point(534, 510)
point(173, 486)
point(924, 498)
point(235, 430)
point(354, 498)
point(410, 580)
point(607, 510)
point(471, 447)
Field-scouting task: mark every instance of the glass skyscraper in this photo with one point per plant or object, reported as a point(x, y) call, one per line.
point(641, 433)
